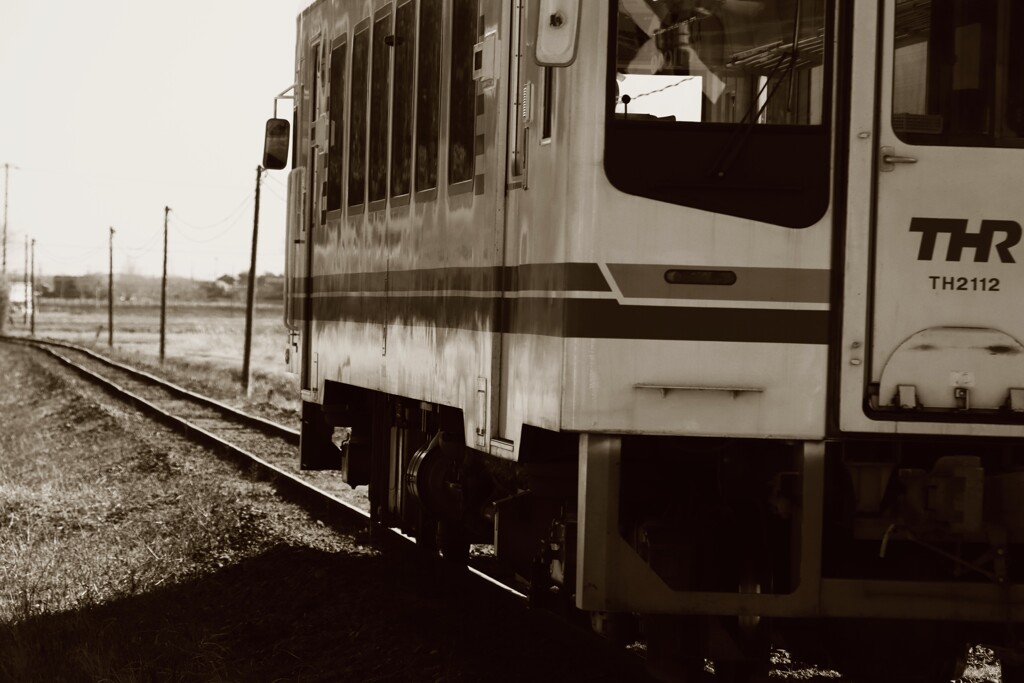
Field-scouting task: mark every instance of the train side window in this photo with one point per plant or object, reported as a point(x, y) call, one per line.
point(336, 109)
point(317, 208)
point(428, 89)
point(401, 116)
point(357, 116)
point(462, 93)
point(380, 93)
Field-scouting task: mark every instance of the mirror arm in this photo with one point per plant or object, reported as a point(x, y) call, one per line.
point(283, 95)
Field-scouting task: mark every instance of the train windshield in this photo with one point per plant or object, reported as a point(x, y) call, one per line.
point(723, 105)
point(958, 76)
point(720, 61)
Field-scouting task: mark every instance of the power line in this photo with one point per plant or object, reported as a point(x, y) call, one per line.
point(273, 179)
point(682, 80)
point(212, 238)
point(232, 214)
point(274, 192)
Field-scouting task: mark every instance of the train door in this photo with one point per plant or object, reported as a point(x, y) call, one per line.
point(530, 121)
point(315, 189)
point(946, 329)
point(531, 197)
point(476, 133)
point(295, 258)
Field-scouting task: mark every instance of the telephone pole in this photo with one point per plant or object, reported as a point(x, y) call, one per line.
point(110, 294)
point(163, 292)
point(250, 294)
point(24, 319)
point(32, 296)
point(7, 170)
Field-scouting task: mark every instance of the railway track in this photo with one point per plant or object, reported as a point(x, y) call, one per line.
point(270, 452)
point(266, 448)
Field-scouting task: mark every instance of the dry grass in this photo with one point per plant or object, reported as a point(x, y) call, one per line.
point(94, 511)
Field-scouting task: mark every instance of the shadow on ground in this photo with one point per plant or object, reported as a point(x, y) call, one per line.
point(294, 614)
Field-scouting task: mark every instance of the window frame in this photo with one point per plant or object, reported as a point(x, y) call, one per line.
point(461, 185)
point(336, 143)
point(433, 95)
point(404, 46)
point(383, 118)
point(357, 207)
point(997, 97)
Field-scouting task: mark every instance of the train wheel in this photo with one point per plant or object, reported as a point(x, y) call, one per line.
point(443, 540)
point(744, 639)
point(453, 543)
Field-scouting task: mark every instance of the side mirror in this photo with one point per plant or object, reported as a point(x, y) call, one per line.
point(275, 144)
point(558, 25)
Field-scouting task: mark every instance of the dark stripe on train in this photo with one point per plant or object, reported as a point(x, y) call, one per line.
point(577, 318)
point(559, 277)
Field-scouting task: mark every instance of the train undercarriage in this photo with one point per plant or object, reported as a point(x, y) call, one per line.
point(882, 559)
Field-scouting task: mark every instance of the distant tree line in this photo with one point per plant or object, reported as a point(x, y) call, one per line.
point(142, 288)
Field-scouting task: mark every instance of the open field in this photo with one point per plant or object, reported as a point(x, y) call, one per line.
point(204, 344)
point(195, 331)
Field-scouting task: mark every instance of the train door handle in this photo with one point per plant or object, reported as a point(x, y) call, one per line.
point(889, 159)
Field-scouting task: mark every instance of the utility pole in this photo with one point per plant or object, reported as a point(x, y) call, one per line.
point(250, 294)
point(32, 297)
point(110, 294)
point(163, 292)
point(24, 319)
point(7, 170)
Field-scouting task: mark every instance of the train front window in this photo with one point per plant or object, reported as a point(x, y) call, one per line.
point(720, 62)
point(958, 73)
point(723, 105)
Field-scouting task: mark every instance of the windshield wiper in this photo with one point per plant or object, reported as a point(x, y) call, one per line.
point(739, 138)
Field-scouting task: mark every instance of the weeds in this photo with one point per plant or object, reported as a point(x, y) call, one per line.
point(98, 508)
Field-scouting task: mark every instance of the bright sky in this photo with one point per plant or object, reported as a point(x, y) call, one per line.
point(112, 109)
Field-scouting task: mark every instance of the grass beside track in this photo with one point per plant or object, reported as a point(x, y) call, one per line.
point(119, 545)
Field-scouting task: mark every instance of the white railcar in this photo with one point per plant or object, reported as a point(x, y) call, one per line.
point(705, 313)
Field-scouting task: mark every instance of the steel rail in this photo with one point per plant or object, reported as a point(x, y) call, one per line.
point(289, 485)
point(264, 425)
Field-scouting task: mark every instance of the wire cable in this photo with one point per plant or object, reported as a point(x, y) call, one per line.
point(245, 202)
point(209, 239)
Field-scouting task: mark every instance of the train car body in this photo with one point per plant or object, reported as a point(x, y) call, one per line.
point(704, 313)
